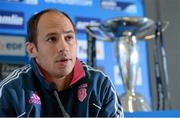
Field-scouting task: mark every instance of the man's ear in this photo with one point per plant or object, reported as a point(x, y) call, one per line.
point(31, 49)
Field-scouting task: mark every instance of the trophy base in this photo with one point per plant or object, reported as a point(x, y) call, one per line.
point(132, 102)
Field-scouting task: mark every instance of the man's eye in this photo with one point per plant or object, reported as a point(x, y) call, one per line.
point(68, 38)
point(51, 39)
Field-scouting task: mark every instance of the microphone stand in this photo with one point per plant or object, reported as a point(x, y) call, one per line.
point(65, 114)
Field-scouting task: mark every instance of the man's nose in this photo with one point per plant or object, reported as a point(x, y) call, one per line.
point(62, 45)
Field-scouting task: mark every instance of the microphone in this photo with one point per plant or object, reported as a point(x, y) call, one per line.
point(54, 88)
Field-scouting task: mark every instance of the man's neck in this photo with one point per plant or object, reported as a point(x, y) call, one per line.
point(63, 83)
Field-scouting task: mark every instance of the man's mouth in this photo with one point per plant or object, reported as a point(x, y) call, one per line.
point(64, 60)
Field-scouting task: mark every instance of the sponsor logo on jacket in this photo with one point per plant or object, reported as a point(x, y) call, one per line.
point(34, 99)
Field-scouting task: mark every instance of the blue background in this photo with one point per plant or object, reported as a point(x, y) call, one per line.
point(94, 11)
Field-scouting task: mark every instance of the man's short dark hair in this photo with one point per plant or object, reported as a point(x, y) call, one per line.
point(33, 23)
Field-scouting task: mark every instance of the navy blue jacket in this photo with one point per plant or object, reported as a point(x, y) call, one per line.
point(26, 93)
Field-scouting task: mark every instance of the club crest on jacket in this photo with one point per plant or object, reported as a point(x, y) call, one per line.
point(82, 92)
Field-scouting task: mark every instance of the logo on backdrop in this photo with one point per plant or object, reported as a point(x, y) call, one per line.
point(10, 19)
point(128, 7)
point(72, 2)
point(12, 45)
point(34, 2)
point(82, 49)
point(82, 22)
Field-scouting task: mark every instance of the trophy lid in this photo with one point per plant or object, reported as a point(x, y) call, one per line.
point(112, 29)
point(129, 26)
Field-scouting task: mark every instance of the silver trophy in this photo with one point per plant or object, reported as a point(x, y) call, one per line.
point(125, 32)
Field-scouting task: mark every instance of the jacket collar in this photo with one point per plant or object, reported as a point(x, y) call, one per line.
point(78, 72)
